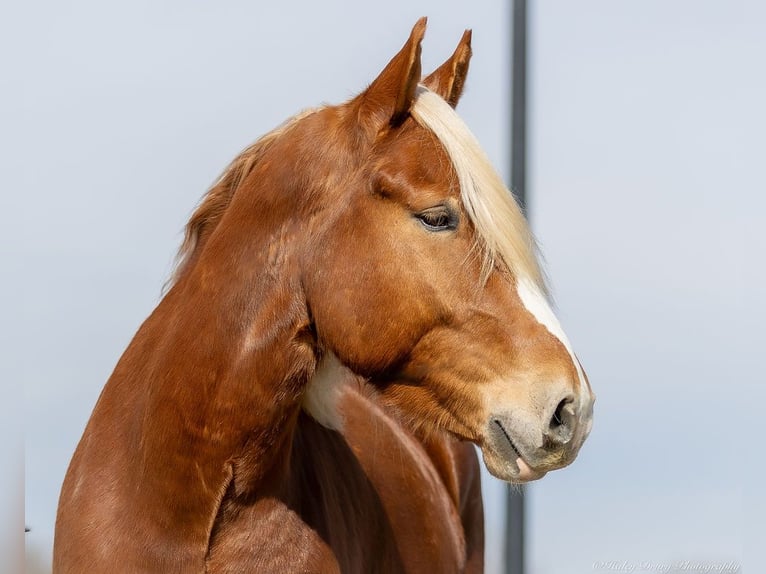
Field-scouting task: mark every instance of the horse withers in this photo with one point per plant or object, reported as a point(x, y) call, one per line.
point(358, 300)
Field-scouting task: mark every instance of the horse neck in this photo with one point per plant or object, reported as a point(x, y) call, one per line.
point(206, 396)
point(234, 353)
point(236, 344)
point(200, 406)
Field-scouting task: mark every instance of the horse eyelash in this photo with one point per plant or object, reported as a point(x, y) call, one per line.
point(442, 211)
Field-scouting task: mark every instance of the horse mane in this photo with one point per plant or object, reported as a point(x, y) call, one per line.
point(502, 233)
point(216, 200)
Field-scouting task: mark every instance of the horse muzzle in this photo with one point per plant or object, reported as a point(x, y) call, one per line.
point(520, 446)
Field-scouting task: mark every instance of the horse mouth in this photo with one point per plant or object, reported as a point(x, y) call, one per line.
point(513, 446)
point(504, 459)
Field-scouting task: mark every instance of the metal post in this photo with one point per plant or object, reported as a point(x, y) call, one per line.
point(519, 102)
point(514, 536)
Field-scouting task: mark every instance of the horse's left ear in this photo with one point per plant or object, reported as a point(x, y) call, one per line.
point(389, 98)
point(449, 78)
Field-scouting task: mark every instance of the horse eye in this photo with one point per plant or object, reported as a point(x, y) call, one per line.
point(437, 219)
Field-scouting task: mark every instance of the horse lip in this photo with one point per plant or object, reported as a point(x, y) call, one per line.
point(522, 470)
point(508, 438)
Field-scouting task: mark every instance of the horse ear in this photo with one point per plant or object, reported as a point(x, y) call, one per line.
point(390, 96)
point(449, 78)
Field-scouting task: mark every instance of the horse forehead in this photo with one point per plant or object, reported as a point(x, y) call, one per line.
point(416, 154)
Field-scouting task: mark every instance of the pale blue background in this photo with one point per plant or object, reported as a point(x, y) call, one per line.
point(647, 194)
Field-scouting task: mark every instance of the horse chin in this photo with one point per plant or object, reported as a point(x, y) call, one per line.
point(510, 469)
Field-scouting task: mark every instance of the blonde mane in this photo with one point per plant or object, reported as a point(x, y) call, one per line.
point(213, 204)
point(502, 230)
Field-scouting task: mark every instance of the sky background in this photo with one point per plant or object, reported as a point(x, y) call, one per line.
point(646, 193)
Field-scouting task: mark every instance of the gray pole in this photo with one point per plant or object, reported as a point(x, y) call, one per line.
point(519, 102)
point(514, 535)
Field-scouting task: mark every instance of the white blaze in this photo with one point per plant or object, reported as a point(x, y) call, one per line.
point(537, 304)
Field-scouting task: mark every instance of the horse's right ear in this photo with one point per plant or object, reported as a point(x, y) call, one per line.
point(388, 100)
point(449, 78)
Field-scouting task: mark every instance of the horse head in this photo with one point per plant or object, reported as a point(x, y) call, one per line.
point(375, 235)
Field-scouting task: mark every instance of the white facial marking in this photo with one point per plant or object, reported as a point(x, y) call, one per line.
point(323, 392)
point(536, 303)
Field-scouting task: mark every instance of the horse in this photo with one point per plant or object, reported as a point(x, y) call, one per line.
point(358, 302)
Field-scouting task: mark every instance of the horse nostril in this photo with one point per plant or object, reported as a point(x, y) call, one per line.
point(558, 415)
point(562, 423)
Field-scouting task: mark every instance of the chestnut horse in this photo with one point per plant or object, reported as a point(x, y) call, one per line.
point(358, 299)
